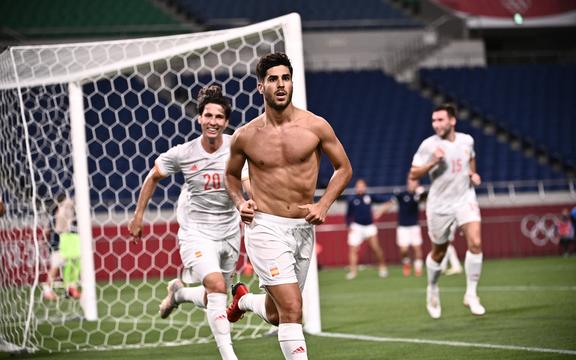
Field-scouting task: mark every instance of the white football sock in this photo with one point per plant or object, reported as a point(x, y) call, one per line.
point(418, 265)
point(255, 303)
point(194, 295)
point(292, 342)
point(216, 314)
point(473, 267)
point(433, 270)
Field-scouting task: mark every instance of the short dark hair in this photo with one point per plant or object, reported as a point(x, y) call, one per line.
point(212, 94)
point(448, 107)
point(269, 61)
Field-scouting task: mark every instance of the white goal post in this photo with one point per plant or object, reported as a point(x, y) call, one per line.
point(88, 120)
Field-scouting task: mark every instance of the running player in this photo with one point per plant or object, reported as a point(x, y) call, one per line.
point(209, 234)
point(449, 158)
point(282, 147)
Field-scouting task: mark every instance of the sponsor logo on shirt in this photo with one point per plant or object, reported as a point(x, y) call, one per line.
point(198, 254)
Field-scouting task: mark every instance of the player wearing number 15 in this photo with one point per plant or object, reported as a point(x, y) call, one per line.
point(209, 234)
point(449, 158)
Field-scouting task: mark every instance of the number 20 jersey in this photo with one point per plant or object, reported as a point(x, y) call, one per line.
point(203, 198)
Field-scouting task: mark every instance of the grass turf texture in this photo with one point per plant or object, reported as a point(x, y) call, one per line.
point(530, 303)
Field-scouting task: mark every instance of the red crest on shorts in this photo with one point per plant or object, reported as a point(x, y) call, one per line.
point(274, 271)
point(194, 167)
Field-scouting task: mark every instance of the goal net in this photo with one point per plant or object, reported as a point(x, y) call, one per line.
point(88, 120)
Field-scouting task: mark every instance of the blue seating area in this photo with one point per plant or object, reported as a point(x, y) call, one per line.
point(315, 14)
point(381, 123)
point(535, 102)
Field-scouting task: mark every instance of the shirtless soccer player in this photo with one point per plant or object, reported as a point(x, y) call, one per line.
point(282, 147)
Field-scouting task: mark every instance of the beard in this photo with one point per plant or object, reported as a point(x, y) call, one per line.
point(443, 133)
point(270, 101)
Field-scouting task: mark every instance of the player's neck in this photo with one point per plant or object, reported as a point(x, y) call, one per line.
point(451, 136)
point(210, 145)
point(278, 117)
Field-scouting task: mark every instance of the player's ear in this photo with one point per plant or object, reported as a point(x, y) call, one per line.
point(260, 87)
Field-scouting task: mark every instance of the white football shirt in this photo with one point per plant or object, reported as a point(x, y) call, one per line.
point(451, 187)
point(203, 198)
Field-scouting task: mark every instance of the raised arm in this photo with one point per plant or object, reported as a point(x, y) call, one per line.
point(234, 180)
point(150, 183)
point(333, 148)
point(418, 171)
point(385, 207)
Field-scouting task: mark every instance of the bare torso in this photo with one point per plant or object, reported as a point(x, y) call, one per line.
point(283, 161)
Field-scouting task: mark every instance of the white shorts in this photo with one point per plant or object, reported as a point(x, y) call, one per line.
point(408, 236)
point(202, 254)
point(279, 249)
point(358, 233)
point(441, 227)
point(56, 259)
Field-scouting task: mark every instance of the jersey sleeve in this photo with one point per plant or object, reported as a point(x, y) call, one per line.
point(168, 163)
point(472, 152)
point(422, 155)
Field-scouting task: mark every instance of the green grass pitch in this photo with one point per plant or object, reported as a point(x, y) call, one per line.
point(531, 314)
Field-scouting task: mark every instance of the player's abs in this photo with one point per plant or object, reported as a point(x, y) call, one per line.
point(282, 196)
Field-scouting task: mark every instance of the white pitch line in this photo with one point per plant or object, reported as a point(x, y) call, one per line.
point(445, 343)
point(528, 288)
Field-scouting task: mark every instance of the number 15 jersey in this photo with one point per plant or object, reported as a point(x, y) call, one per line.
point(451, 187)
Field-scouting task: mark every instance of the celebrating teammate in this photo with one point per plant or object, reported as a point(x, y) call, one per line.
point(449, 158)
point(282, 147)
point(408, 231)
point(360, 221)
point(209, 234)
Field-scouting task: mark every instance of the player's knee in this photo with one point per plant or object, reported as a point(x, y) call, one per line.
point(475, 248)
point(216, 287)
point(291, 310)
point(438, 254)
point(273, 318)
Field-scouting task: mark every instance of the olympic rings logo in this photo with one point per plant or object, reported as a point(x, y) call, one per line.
point(540, 229)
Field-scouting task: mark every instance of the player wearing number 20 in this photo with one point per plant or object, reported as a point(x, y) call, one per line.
point(448, 158)
point(209, 234)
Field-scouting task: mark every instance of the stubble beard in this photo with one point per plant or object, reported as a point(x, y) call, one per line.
point(278, 106)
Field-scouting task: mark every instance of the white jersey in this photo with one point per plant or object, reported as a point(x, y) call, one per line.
point(203, 198)
point(451, 187)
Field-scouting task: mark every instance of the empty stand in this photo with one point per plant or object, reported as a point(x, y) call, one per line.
point(315, 14)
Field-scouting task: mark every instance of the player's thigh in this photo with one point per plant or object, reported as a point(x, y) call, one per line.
point(439, 227)
point(199, 258)
point(271, 253)
point(355, 235)
point(286, 297)
point(468, 218)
